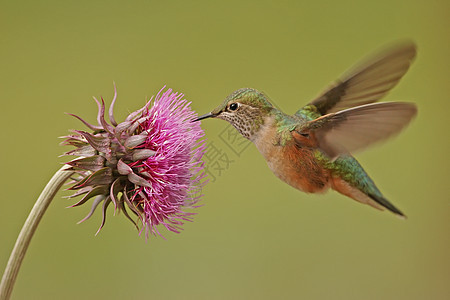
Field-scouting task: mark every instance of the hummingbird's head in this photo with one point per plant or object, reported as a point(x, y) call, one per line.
point(245, 109)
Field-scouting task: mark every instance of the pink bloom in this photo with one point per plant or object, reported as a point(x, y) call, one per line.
point(150, 164)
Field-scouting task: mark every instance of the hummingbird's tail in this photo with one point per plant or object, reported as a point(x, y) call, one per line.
point(350, 179)
point(385, 203)
point(374, 198)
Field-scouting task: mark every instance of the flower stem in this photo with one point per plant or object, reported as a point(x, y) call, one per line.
point(28, 229)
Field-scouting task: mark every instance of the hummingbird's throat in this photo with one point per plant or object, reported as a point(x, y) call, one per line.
point(247, 123)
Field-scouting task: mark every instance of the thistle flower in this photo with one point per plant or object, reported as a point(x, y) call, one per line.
point(150, 164)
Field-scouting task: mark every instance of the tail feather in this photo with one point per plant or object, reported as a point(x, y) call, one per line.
point(388, 205)
point(349, 178)
point(372, 199)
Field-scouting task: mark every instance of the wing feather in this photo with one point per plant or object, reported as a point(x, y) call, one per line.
point(356, 128)
point(369, 81)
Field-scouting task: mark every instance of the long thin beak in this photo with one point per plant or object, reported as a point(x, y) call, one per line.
point(208, 115)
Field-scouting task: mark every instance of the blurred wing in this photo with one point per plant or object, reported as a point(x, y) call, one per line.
point(356, 128)
point(369, 81)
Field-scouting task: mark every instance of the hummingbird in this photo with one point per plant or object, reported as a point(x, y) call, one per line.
point(311, 150)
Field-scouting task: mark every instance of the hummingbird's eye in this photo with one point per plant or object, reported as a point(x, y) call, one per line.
point(233, 106)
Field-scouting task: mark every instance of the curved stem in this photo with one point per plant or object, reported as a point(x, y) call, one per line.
point(28, 229)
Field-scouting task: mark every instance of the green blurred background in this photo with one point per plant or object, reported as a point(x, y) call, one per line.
point(255, 237)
